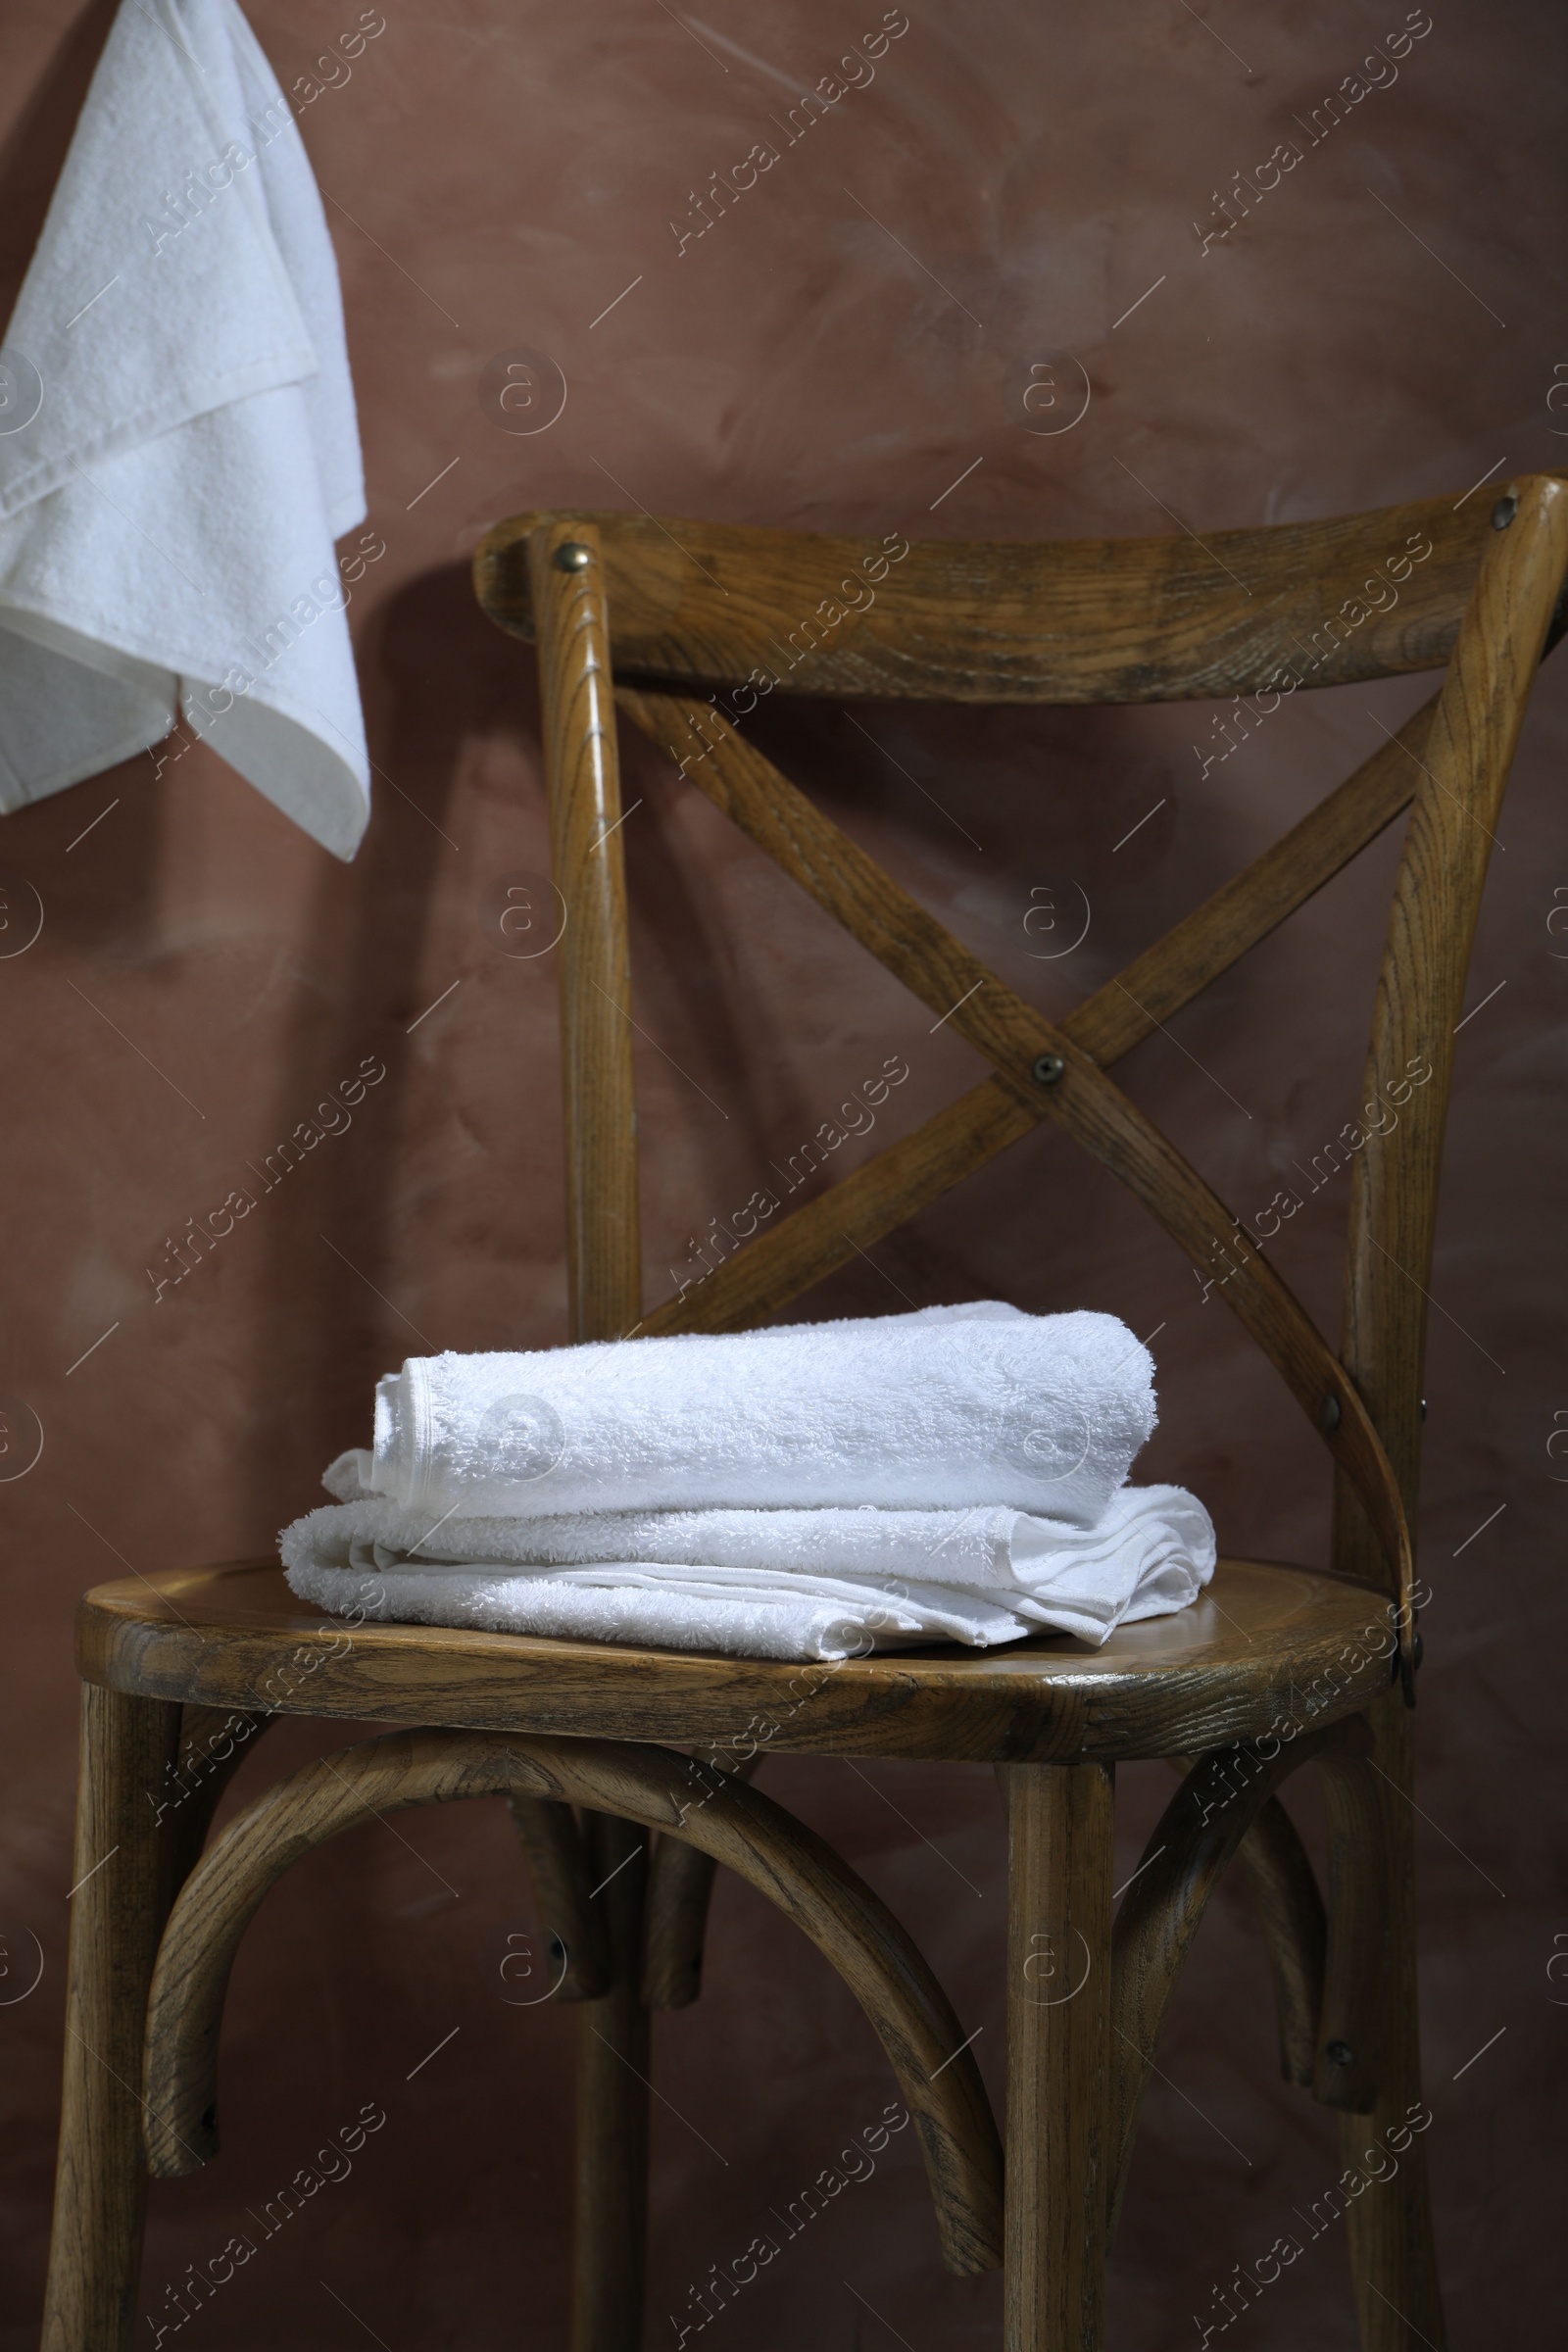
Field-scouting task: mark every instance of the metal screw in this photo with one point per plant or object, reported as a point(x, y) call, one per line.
point(1423, 1408)
point(1506, 507)
point(1329, 1415)
point(1339, 2053)
point(572, 556)
point(1049, 1068)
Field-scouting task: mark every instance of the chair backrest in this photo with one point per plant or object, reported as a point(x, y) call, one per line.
point(686, 626)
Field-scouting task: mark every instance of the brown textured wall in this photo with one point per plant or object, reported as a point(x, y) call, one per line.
point(842, 347)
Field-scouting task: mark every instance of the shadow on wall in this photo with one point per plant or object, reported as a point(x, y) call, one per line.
point(451, 679)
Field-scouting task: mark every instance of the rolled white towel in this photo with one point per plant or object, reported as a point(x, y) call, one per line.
point(963, 1407)
point(788, 1583)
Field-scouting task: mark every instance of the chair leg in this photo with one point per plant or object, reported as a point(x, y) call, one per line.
point(1392, 2251)
point(1061, 1829)
point(120, 1901)
point(613, 2105)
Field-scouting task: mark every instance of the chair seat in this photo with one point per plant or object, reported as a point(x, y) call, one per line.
point(1264, 1646)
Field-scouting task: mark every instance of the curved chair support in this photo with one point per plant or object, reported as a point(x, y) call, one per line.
point(736, 1824)
point(558, 1864)
point(213, 1743)
point(1295, 1924)
point(1289, 1906)
point(680, 1884)
point(1196, 1838)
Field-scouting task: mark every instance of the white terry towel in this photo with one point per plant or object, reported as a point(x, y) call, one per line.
point(179, 448)
point(950, 1406)
point(784, 1584)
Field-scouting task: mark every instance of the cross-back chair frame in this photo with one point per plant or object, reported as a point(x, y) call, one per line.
point(683, 611)
point(1364, 1403)
point(674, 625)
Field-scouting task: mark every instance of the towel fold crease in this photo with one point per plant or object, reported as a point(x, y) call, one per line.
point(812, 1492)
point(823, 1583)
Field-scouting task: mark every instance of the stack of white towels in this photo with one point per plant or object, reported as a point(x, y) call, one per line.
point(814, 1491)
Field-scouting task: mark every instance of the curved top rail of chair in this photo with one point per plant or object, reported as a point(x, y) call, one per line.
point(1073, 620)
point(1262, 1645)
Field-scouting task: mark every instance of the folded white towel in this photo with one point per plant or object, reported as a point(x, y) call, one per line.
point(785, 1584)
point(178, 447)
point(950, 1406)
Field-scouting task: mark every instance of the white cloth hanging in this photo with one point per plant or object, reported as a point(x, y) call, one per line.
point(178, 447)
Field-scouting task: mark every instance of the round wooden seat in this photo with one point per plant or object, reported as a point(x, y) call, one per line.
point(1262, 1648)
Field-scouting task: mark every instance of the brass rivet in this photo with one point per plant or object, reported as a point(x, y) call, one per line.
point(1329, 1415)
point(572, 556)
point(1049, 1068)
point(1506, 507)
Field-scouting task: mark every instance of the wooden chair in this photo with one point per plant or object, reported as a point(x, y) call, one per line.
point(1272, 1667)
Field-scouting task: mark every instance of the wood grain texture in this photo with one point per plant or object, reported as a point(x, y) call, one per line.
point(1181, 963)
point(1131, 620)
point(121, 1872)
point(823, 1234)
point(584, 776)
point(1419, 1006)
point(1189, 1849)
point(1393, 2246)
point(603, 1253)
point(1060, 1844)
point(1420, 998)
point(1095, 620)
point(558, 1864)
point(1222, 1669)
point(1392, 1214)
point(1290, 1908)
point(992, 1017)
point(653, 1786)
point(680, 1885)
point(1295, 1924)
point(610, 2232)
point(1358, 1979)
point(213, 1743)
point(903, 1178)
